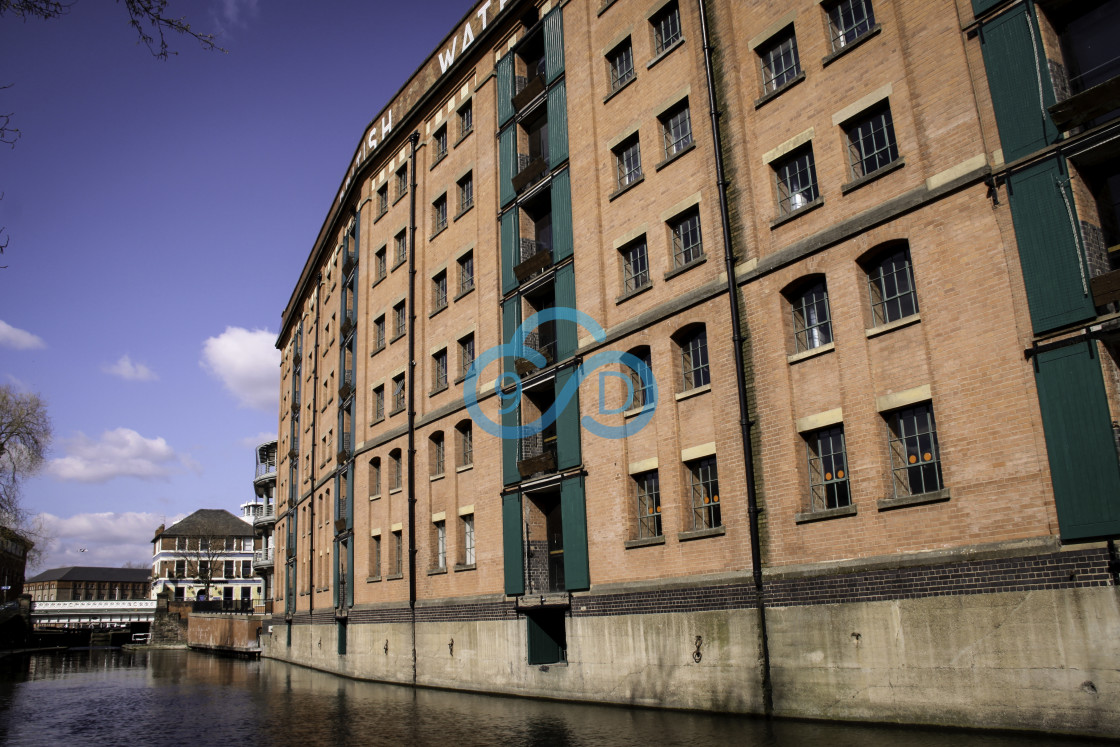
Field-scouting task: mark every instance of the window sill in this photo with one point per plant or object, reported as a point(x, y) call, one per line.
point(779, 91)
point(637, 292)
point(623, 190)
point(665, 52)
point(437, 571)
point(796, 213)
point(438, 161)
point(620, 89)
point(463, 212)
point(693, 392)
point(883, 329)
point(394, 338)
point(939, 496)
point(400, 197)
point(375, 497)
point(823, 515)
point(686, 149)
point(828, 347)
point(376, 350)
point(398, 263)
point(464, 292)
point(436, 478)
point(830, 58)
point(438, 310)
point(438, 231)
point(438, 390)
point(465, 468)
point(636, 411)
point(377, 282)
point(378, 421)
point(696, 534)
point(394, 577)
point(644, 542)
point(686, 267)
point(373, 579)
point(397, 411)
point(380, 215)
point(463, 136)
point(459, 567)
point(879, 172)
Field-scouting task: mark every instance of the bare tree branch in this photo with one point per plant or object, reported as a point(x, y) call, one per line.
point(25, 436)
point(147, 17)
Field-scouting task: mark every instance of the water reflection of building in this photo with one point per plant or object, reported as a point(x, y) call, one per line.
point(207, 555)
point(905, 444)
point(88, 583)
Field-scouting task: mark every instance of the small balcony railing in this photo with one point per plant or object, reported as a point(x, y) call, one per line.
point(542, 341)
point(350, 257)
point(344, 447)
point(265, 469)
point(293, 450)
point(537, 454)
point(263, 558)
point(536, 256)
point(526, 88)
point(530, 169)
point(346, 383)
point(266, 515)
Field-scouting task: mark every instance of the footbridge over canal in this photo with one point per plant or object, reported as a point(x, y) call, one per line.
point(93, 613)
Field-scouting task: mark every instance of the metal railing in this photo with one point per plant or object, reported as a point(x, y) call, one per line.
point(266, 469)
point(545, 344)
point(236, 606)
point(263, 557)
point(267, 513)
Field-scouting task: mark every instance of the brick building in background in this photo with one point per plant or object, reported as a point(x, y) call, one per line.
point(88, 583)
point(874, 469)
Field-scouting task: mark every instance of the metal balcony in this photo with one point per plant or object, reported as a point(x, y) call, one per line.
point(535, 257)
point(536, 454)
point(262, 558)
point(542, 341)
point(530, 169)
point(345, 384)
point(344, 447)
point(267, 515)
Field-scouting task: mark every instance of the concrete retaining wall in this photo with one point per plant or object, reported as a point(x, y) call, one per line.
point(1040, 660)
point(224, 632)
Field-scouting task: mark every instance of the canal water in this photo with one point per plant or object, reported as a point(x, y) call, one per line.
point(181, 699)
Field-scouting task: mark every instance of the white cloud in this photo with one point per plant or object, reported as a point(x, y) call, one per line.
point(253, 442)
point(101, 539)
point(231, 14)
point(118, 453)
point(18, 338)
point(248, 364)
point(130, 371)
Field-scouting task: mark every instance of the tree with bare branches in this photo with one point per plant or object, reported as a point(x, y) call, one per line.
point(25, 436)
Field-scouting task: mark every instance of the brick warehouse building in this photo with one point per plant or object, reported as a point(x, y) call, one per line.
point(876, 475)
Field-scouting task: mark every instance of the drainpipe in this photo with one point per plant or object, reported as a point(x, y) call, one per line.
point(745, 422)
point(410, 392)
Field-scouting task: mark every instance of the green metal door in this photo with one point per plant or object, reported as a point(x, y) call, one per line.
point(577, 577)
point(1054, 268)
point(512, 547)
point(1079, 442)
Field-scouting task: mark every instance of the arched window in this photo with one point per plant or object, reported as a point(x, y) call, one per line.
point(812, 320)
point(890, 281)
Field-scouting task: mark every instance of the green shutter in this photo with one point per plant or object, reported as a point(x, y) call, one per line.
point(340, 634)
point(350, 489)
point(511, 318)
point(1016, 65)
point(557, 125)
point(1054, 268)
point(511, 248)
point(1079, 442)
point(561, 194)
point(574, 514)
point(567, 425)
point(567, 333)
point(504, 73)
point(512, 547)
point(350, 571)
point(507, 164)
point(334, 586)
point(553, 45)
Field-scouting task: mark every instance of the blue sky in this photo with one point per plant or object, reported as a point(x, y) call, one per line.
point(159, 214)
